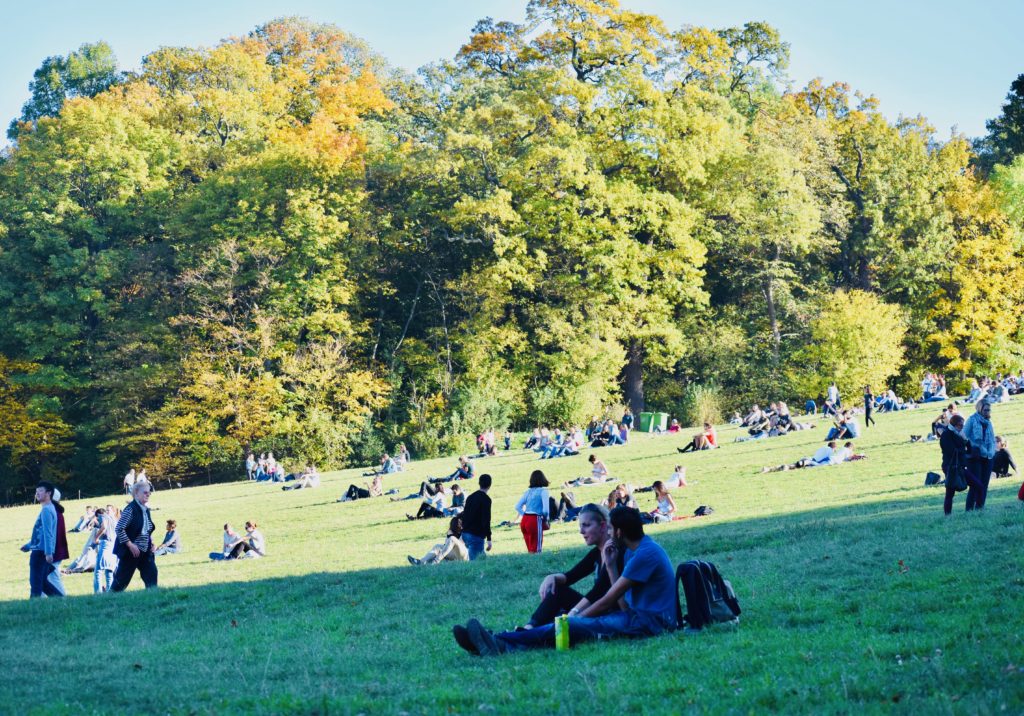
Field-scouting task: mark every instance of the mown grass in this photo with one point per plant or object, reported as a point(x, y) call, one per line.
point(858, 596)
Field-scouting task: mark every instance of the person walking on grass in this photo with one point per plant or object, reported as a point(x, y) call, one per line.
point(982, 436)
point(134, 545)
point(647, 588)
point(534, 506)
point(476, 520)
point(43, 547)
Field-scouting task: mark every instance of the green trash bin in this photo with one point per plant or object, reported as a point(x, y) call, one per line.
point(645, 422)
point(660, 422)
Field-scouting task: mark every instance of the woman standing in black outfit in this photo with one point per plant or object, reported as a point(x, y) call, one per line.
point(869, 406)
point(954, 457)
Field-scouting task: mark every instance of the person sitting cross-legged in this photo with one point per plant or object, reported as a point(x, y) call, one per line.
point(647, 587)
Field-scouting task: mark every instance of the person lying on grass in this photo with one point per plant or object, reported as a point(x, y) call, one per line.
point(640, 603)
point(598, 474)
point(826, 455)
point(309, 478)
point(453, 549)
point(463, 471)
point(374, 489)
point(677, 479)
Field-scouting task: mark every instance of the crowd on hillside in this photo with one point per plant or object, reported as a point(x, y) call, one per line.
point(623, 559)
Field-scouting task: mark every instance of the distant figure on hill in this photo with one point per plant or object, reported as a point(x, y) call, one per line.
point(374, 489)
point(129, 480)
point(171, 543)
point(707, 440)
point(463, 471)
point(309, 478)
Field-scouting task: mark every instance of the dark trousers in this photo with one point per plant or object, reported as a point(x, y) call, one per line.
point(868, 420)
point(560, 601)
point(357, 493)
point(977, 490)
point(428, 510)
point(947, 504)
point(126, 567)
point(38, 576)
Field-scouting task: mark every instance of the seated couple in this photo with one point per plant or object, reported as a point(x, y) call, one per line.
point(433, 504)
point(309, 478)
point(252, 544)
point(707, 440)
point(388, 465)
point(634, 592)
point(845, 428)
point(826, 455)
point(453, 549)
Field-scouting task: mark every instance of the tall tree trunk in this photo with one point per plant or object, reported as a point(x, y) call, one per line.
point(769, 297)
point(634, 375)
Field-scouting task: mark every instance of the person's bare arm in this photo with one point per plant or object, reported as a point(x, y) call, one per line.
point(610, 599)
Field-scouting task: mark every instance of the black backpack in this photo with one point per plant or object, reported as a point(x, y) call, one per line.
point(709, 597)
point(933, 478)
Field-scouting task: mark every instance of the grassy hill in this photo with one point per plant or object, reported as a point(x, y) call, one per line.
point(858, 596)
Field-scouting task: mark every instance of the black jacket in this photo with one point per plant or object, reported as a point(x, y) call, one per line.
point(954, 451)
point(129, 527)
point(476, 515)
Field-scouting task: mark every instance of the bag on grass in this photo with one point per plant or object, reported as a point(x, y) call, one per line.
point(932, 478)
point(709, 597)
point(702, 511)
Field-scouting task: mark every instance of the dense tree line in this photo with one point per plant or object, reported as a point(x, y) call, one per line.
point(282, 243)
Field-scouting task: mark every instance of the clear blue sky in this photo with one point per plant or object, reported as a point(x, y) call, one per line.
point(950, 61)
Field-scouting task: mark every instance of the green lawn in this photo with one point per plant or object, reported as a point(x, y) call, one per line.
point(858, 596)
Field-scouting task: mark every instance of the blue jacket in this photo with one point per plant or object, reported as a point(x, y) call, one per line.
point(981, 435)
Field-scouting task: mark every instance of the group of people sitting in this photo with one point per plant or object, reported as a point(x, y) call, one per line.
point(774, 421)
point(250, 545)
point(265, 468)
point(486, 443)
point(996, 390)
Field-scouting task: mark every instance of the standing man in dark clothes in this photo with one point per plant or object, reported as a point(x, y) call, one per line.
point(869, 405)
point(476, 520)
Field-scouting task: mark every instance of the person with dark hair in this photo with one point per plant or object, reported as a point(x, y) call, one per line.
point(476, 520)
point(869, 406)
point(172, 540)
point(463, 471)
point(647, 586)
point(134, 545)
point(954, 456)
point(43, 547)
point(452, 550)
point(534, 506)
point(106, 562)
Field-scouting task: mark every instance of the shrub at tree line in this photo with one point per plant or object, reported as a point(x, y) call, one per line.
point(282, 243)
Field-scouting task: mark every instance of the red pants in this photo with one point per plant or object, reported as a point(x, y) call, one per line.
point(533, 532)
point(1020, 495)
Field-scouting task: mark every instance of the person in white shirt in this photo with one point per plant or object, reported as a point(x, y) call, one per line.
point(534, 508)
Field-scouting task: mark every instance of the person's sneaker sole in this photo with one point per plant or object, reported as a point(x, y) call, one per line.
point(462, 638)
point(483, 640)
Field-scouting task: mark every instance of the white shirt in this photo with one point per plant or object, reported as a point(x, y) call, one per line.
point(822, 456)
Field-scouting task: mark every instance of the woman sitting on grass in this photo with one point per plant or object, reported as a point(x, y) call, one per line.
point(309, 478)
point(452, 550)
point(707, 440)
point(172, 540)
point(433, 503)
point(666, 509)
point(1003, 462)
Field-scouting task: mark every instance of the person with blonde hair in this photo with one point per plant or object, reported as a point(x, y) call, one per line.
point(134, 545)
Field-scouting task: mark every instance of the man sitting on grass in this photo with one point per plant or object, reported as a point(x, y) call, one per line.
point(645, 595)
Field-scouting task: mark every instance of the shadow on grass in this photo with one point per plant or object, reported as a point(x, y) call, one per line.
point(863, 591)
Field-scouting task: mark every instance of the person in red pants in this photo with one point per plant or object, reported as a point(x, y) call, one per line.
point(534, 507)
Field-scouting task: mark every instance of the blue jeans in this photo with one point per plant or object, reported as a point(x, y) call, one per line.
point(39, 576)
point(104, 554)
point(581, 629)
point(474, 545)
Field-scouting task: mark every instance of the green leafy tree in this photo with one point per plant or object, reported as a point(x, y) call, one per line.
point(856, 340)
point(1005, 139)
point(86, 72)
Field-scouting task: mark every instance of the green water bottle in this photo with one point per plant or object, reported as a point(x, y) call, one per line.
point(562, 632)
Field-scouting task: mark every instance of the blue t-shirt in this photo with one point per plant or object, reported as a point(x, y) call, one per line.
point(654, 591)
